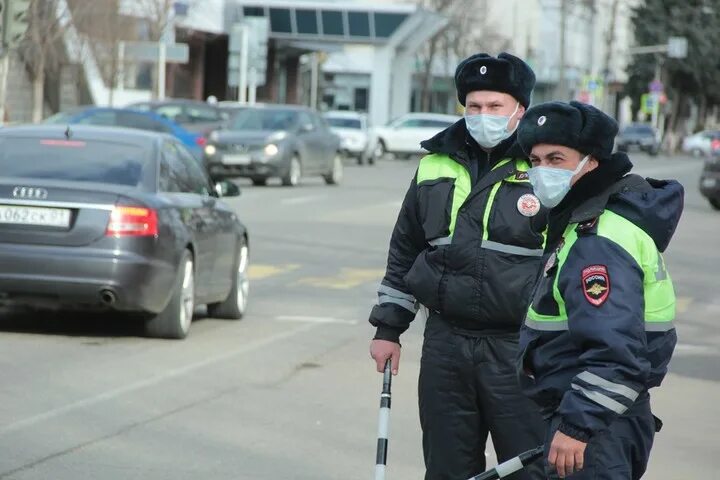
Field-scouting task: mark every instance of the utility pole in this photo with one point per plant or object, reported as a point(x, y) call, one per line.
point(13, 25)
point(609, 43)
point(561, 90)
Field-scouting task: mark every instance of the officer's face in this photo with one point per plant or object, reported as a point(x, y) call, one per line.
point(494, 103)
point(558, 156)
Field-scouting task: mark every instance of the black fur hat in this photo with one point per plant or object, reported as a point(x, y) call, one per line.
point(575, 125)
point(505, 73)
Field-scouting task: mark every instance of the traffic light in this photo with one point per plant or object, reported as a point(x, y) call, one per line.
point(15, 21)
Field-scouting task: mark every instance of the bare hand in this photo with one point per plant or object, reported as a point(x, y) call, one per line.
point(381, 350)
point(566, 454)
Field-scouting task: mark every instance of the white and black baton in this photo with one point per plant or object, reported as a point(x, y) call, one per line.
point(383, 424)
point(511, 466)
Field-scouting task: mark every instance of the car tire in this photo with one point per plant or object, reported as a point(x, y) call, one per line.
point(292, 178)
point(714, 203)
point(335, 175)
point(696, 152)
point(654, 152)
point(175, 319)
point(235, 305)
point(259, 181)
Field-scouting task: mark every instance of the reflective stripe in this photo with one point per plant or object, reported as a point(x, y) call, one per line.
point(659, 326)
point(661, 272)
point(395, 293)
point(598, 381)
point(601, 399)
point(511, 249)
point(406, 304)
point(440, 241)
point(551, 326)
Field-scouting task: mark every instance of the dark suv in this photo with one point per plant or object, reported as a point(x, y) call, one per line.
point(710, 180)
point(638, 135)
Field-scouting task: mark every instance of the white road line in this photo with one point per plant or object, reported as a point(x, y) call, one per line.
point(132, 387)
point(315, 320)
point(300, 200)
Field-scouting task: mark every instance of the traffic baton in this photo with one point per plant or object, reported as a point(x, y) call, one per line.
point(513, 465)
point(383, 424)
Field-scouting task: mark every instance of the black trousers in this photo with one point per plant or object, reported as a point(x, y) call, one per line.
point(619, 453)
point(468, 388)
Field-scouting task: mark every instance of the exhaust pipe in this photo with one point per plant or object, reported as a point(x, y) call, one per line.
point(108, 297)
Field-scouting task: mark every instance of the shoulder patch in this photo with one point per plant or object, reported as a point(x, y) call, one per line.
point(528, 205)
point(596, 284)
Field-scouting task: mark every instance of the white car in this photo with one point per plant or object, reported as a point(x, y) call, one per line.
point(402, 136)
point(699, 144)
point(351, 127)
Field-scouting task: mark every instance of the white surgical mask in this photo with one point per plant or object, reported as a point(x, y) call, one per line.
point(489, 130)
point(552, 184)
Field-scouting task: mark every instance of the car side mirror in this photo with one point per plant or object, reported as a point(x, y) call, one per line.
point(226, 188)
point(307, 127)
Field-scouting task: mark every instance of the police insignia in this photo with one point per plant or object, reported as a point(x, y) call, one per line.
point(522, 176)
point(528, 205)
point(596, 284)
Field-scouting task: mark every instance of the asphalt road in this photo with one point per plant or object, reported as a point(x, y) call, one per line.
point(290, 391)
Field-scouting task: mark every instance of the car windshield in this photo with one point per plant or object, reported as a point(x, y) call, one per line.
point(74, 160)
point(62, 117)
point(340, 122)
point(256, 119)
point(638, 130)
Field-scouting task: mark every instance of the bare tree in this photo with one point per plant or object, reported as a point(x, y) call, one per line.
point(468, 31)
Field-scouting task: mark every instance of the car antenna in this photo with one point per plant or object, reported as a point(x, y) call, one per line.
point(68, 133)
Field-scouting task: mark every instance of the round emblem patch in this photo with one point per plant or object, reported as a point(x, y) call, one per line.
point(542, 120)
point(483, 70)
point(528, 205)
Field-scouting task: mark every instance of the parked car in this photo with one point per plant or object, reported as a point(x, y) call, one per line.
point(710, 180)
point(402, 136)
point(98, 218)
point(285, 141)
point(700, 143)
point(638, 135)
point(193, 115)
point(124, 117)
point(351, 127)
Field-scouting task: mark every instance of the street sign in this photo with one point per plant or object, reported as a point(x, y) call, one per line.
point(258, 32)
point(648, 103)
point(656, 86)
point(150, 51)
point(677, 47)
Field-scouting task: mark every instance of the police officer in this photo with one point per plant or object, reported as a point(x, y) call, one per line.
point(467, 245)
point(599, 333)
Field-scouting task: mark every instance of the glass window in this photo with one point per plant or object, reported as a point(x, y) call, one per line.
point(75, 160)
point(99, 118)
point(359, 24)
point(387, 23)
point(434, 124)
point(409, 123)
point(306, 21)
point(141, 122)
point(257, 119)
point(305, 118)
point(201, 114)
point(62, 117)
point(332, 22)
point(340, 122)
point(254, 11)
point(199, 182)
point(178, 177)
point(171, 112)
point(280, 20)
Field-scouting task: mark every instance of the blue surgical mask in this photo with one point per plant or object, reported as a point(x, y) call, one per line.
point(552, 184)
point(489, 130)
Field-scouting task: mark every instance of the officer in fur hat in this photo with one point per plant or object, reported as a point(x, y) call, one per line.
point(467, 247)
point(599, 333)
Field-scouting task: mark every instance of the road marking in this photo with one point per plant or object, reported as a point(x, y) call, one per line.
point(300, 200)
point(308, 319)
point(260, 271)
point(682, 304)
point(347, 278)
point(154, 380)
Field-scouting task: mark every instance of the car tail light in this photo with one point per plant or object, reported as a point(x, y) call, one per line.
point(201, 141)
point(127, 221)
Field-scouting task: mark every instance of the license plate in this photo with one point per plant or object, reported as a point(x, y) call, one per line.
point(236, 159)
point(709, 182)
point(39, 216)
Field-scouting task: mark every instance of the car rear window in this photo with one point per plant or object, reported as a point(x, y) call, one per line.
point(639, 129)
point(257, 119)
point(74, 160)
point(339, 122)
